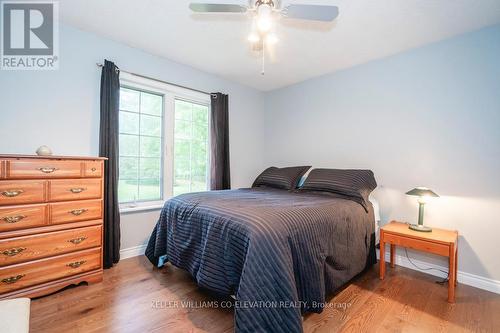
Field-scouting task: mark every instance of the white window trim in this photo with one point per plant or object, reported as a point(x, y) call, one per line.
point(170, 93)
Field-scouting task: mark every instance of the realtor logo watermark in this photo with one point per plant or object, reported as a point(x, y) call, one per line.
point(30, 35)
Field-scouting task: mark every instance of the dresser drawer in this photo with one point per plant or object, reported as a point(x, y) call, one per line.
point(21, 191)
point(63, 212)
point(28, 169)
point(22, 249)
point(93, 168)
point(21, 217)
point(20, 276)
point(74, 189)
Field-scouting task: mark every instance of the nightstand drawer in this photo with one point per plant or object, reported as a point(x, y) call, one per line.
point(417, 244)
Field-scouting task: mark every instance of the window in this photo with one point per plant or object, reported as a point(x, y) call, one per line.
point(163, 142)
point(190, 147)
point(141, 141)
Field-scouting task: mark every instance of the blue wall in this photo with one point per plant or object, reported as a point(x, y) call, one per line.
point(429, 116)
point(61, 109)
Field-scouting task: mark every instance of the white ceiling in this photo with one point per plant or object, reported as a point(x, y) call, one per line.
point(365, 30)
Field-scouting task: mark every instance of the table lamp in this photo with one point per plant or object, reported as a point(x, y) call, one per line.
point(422, 193)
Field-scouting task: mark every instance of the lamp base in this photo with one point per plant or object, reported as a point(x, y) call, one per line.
point(420, 227)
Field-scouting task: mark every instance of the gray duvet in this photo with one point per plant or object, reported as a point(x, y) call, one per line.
point(281, 253)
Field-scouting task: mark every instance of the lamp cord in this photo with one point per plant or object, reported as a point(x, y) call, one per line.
point(446, 279)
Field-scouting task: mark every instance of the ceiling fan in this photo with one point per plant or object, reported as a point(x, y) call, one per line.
point(265, 13)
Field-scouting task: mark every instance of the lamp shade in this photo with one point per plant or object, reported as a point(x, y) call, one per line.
point(422, 192)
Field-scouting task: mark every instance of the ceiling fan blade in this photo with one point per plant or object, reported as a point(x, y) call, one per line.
point(216, 8)
point(311, 12)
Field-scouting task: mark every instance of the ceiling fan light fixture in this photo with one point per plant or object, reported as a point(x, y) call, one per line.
point(264, 18)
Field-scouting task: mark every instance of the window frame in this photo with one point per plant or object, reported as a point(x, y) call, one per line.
point(170, 93)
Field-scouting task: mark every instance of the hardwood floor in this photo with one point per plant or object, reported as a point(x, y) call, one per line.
point(134, 297)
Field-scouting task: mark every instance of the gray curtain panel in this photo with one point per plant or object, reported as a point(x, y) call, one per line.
point(108, 147)
point(220, 178)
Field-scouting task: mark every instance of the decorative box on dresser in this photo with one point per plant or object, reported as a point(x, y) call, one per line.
point(51, 227)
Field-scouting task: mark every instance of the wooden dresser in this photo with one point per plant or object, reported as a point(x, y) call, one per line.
point(51, 232)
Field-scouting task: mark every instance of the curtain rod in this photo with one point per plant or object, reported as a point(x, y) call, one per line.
point(150, 78)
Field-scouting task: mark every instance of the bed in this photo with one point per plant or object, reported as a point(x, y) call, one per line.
point(281, 253)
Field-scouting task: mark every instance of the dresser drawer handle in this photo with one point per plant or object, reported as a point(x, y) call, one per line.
point(77, 240)
point(13, 279)
point(77, 212)
point(47, 169)
point(93, 169)
point(77, 190)
point(76, 264)
point(13, 252)
point(12, 193)
point(13, 219)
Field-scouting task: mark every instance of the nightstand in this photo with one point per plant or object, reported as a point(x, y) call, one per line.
point(439, 241)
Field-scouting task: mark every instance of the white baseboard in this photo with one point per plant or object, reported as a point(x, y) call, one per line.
point(463, 277)
point(132, 251)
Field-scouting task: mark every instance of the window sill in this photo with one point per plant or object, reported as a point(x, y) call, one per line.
point(139, 209)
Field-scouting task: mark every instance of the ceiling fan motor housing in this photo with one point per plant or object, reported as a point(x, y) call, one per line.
point(264, 2)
